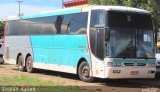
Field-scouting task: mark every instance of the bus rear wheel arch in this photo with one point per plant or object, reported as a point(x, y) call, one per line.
point(84, 72)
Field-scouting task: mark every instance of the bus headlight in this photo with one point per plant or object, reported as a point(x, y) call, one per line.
point(110, 64)
point(113, 64)
point(151, 64)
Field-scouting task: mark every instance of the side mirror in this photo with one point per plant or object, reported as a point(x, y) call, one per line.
point(107, 34)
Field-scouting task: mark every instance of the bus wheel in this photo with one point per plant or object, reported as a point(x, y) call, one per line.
point(84, 72)
point(29, 65)
point(21, 66)
point(157, 75)
point(1, 60)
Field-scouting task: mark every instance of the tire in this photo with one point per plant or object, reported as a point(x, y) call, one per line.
point(84, 72)
point(157, 75)
point(21, 66)
point(29, 65)
point(1, 60)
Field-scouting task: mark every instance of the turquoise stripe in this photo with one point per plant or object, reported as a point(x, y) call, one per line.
point(134, 60)
point(61, 12)
point(60, 49)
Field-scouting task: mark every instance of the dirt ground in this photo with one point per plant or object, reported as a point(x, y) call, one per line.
point(100, 85)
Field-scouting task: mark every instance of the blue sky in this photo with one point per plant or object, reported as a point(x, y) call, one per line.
point(10, 7)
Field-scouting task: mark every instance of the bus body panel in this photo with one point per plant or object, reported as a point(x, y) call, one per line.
point(60, 50)
point(126, 72)
point(15, 45)
point(102, 70)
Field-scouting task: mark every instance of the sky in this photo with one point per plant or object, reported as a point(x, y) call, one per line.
point(11, 7)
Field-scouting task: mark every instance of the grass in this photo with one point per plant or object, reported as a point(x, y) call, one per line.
point(24, 80)
point(30, 83)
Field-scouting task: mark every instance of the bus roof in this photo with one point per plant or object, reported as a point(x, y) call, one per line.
point(120, 8)
point(9, 18)
point(76, 10)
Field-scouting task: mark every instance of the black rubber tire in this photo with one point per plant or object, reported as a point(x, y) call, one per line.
point(80, 72)
point(29, 65)
point(157, 75)
point(1, 60)
point(21, 66)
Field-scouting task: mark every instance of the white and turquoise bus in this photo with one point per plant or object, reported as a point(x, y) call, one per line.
point(111, 42)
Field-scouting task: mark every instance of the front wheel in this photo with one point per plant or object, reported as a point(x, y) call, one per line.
point(29, 65)
point(84, 72)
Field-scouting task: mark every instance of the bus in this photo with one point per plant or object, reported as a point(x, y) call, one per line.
point(108, 42)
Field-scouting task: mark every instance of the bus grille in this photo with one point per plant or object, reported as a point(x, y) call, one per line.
point(141, 64)
point(129, 64)
point(135, 64)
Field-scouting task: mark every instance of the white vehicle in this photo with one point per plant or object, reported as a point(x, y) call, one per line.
point(113, 42)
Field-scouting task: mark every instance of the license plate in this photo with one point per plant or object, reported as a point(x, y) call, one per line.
point(134, 72)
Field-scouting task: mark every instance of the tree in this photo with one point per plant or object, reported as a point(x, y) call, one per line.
point(105, 2)
point(1, 28)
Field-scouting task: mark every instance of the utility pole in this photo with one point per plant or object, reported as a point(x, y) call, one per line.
point(62, 4)
point(19, 2)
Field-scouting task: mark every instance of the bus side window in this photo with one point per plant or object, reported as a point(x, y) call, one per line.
point(73, 25)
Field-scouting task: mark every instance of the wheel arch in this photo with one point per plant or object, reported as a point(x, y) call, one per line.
point(19, 54)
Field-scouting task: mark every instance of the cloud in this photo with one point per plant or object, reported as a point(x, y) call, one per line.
point(12, 9)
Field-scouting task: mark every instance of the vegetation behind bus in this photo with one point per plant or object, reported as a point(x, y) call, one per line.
point(1, 29)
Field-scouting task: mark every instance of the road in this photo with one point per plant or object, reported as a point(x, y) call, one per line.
point(100, 85)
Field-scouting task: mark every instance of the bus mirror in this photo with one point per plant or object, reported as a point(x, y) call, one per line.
point(107, 34)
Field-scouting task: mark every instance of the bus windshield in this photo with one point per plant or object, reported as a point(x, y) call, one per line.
point(131, 35)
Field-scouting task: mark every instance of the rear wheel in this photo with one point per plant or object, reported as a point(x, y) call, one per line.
point(29, 64)
point(21, 66)
point(84, 72)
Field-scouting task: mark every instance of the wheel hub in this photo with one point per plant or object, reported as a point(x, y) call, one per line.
point(85, 71)
point(29, 64)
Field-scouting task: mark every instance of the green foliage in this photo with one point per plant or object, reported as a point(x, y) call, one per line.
point(1, 28)
point(105, 2)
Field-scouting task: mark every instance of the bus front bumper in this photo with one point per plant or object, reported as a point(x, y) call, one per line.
point(129, 72)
